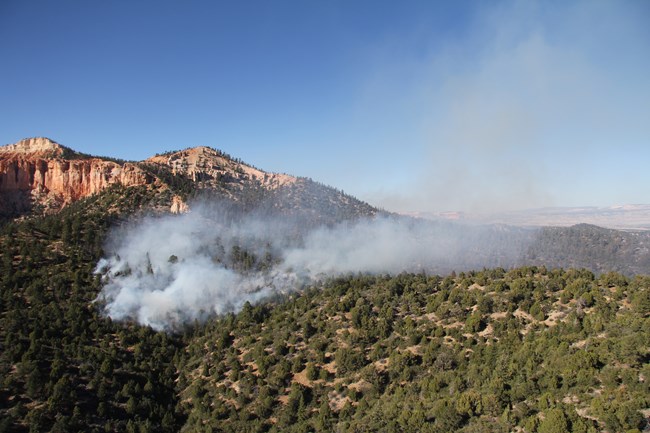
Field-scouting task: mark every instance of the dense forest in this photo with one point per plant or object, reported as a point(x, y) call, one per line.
point(528, 349)
point(63, 366)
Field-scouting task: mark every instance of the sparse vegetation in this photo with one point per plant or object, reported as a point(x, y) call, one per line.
point(71, 154)
point(178, 183)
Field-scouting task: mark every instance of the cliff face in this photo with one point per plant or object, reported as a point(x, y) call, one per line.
point(35, 171)
point(38, 172)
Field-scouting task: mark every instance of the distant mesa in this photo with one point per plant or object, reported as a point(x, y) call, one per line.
point(621, 217)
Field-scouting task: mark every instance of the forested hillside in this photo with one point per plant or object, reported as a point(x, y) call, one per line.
point(527, 349)
point(588, 246)
point(64, 367)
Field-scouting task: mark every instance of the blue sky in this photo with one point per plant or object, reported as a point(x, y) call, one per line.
point(410, 105)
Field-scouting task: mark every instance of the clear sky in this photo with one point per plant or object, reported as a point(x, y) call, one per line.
point(409, 105)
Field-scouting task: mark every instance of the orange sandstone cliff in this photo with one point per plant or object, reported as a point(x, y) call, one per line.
point(39, 171)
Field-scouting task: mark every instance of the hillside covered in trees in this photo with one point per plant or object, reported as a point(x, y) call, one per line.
point(596, 248)
point(530, 349)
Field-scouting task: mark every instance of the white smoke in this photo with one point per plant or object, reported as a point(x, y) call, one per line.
point(166, 271)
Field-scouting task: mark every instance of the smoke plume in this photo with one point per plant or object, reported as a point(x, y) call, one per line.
point(169, 270)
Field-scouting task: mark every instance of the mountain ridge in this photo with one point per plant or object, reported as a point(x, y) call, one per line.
point(39, 175)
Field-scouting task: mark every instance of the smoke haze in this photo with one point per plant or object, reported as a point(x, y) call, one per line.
point(170, 270)
point(528, 108)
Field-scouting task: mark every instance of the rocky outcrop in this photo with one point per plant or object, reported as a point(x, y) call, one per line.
point(210, 167)
point(178, 205)
point(34, 147)
point(36, 172)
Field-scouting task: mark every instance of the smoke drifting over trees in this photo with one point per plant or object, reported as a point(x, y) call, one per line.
point(170, 270)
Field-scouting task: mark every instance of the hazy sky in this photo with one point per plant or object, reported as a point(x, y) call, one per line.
point(410, 105)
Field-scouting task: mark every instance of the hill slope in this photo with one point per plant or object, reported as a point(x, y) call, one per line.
point(528, 350)
point(587, 246)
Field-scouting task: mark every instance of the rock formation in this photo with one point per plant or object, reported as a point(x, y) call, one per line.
point(38, 174)
point(178, 205)
point(38, 171)
point(209, 166)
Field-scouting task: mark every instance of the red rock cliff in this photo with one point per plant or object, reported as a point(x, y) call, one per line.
point(35, 171)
